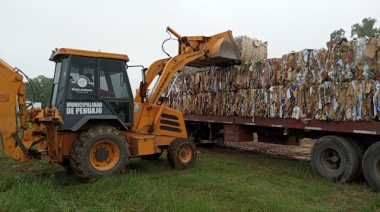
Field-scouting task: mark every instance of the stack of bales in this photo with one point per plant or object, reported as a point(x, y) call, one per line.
point(340, 84)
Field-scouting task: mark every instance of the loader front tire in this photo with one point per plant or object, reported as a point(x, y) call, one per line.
point(182, 153)
point(98, 152)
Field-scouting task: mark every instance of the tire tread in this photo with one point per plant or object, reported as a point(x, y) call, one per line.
point(80, 147)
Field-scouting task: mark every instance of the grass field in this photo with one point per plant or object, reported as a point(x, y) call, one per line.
point(218, 182)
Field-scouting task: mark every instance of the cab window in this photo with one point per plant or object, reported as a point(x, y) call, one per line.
point(82, 78)
point(113, 80)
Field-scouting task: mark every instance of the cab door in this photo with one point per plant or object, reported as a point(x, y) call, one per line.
point(115, 89)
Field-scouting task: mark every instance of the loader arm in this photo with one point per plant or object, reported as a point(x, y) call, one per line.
point(155, 69)
point(173, 66)
point(197, 51)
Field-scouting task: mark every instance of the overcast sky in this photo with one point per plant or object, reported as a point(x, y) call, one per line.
point(30, 30)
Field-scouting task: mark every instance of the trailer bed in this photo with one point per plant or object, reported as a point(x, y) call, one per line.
point(363, 127)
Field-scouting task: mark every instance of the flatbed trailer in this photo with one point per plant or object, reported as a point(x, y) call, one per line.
point(342, 153)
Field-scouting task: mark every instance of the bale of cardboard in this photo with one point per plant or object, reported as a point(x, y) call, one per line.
point(341, 83)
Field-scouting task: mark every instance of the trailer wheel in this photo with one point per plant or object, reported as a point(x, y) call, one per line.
point(360, 150)
point(371, 166)
point(154, 156)
point(100, 151)
point(182, 153)
point(334, 158)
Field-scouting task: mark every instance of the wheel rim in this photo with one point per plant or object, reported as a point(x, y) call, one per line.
point(104, 155)
point(376, 167)
point(331, 159)
point(185, 154)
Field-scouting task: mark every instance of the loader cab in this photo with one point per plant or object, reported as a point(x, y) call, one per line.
point(90, 88)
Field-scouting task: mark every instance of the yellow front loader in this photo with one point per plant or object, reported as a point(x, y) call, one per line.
point(93, 124)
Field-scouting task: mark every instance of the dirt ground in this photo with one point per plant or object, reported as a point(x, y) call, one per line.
point(301, 152)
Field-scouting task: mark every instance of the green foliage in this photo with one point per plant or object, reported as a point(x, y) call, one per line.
point(366, 28)
point(218, 182)
point(335, 37)
point(39, 90)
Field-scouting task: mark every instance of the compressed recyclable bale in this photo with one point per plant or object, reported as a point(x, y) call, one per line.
point(251, 49)
point(337, 84)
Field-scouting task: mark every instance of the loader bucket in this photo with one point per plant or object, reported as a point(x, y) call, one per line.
point(219, 49)
point(221, 53)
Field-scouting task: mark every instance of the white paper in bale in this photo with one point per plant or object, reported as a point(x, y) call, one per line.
point(247, 49)
point(251, 49)
point(376, 101)
point(259, 50)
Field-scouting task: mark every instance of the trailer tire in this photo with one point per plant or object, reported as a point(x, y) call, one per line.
point(154, 156)
point(334, 158)
point(182, 153)
point(360, 150)
point(98, 152)
point(371, 166)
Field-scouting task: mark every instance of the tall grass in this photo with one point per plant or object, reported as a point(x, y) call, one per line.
point(218, 182)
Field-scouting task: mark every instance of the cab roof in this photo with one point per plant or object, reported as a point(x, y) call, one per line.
point(67, 51)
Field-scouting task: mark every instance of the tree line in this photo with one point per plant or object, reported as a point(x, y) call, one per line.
point(358, 30)
point(39, 88)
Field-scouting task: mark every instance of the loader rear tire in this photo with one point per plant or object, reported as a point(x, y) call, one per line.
point(98, 152)
point(182, 153)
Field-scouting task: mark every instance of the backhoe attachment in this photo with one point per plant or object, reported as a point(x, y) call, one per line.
point(24, 130)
